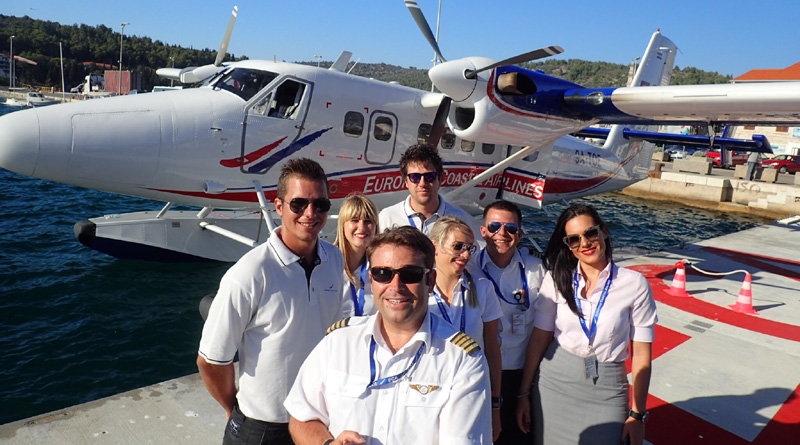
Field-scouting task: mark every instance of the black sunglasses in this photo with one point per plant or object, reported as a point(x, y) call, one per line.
point(591, 234)
point(460, 247)
point(416, 177)
point(408, 274)
point(494, 227)
point(299, 205)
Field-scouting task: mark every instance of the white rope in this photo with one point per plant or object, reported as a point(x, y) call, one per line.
point(719, 274)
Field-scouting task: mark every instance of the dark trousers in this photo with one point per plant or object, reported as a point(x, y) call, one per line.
point(242, 430)
point(511, 434)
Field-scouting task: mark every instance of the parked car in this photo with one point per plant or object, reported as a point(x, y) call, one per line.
point(737, 157)
point(784, 163)
point(679, 151)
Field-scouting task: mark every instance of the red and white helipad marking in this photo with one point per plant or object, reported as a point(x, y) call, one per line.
point(719, 376)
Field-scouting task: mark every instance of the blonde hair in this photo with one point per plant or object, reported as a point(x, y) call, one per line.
point(356, 206)
point(443, 227)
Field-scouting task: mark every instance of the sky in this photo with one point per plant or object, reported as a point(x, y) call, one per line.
point(730, 37)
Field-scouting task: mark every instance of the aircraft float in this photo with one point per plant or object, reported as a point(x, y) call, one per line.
point(503, 132)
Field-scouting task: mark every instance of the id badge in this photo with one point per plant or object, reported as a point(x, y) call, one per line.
point(518, 323)
point(590, 366)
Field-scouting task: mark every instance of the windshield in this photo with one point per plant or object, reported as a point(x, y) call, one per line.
point(245, 82)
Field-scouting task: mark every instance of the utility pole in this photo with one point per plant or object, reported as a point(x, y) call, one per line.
point(319, 58)
point(119, 78)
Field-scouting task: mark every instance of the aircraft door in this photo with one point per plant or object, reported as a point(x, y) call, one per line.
point(273, 121)
point(382, 137)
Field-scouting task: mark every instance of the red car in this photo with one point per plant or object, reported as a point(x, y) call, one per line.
point(784, 163)
point(737, 157)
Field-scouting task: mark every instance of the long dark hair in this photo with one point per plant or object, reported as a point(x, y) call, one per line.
point(558, 257)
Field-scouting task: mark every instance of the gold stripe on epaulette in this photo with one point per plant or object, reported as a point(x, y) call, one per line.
point(466, 343)
point(339, 324)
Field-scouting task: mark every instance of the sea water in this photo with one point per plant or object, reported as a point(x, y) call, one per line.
point(77, 325)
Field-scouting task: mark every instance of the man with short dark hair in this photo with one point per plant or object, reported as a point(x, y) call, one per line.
point(421, 167)
point(403, 375)
point(516, 276)
point(273, 306)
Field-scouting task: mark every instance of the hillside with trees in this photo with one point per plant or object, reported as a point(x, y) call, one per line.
point(91, 49)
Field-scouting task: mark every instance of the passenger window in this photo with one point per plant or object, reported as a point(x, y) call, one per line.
point(424, 133)
point(353, 124)
point(383, 128)
point(467, 146)
point(448, 139)
point(287, 100)
point(487, 148)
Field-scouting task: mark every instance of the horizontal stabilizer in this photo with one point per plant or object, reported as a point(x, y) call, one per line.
point(759, 143)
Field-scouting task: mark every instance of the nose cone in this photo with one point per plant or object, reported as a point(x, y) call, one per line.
point(450, 79)
point(19, 141)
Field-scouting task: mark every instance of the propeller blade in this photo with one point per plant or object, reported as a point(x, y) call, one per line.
point(223, 48)
point(419, 17)
point(527, 57)
point(439, 122)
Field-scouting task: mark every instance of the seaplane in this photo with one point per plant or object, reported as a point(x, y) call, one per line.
point(502, 130)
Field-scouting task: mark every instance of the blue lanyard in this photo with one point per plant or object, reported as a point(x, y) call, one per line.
point(523, 299)
point(590, 334)
point(387, 380)
point(443, 308)
point(358, 301)
point(411, 222)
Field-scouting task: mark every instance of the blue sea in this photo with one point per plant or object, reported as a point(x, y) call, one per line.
point(77, 325)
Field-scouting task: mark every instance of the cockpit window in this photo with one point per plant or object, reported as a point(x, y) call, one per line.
point(245, 82)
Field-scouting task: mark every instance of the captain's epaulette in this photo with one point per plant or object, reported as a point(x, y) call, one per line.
point(465, 342)
point(339, 324)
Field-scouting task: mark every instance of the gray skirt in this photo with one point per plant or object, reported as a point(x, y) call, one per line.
point(570, 409)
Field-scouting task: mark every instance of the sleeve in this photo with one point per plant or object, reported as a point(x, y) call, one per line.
point(228, 317)
point(545, 307)
point(488, 298)
point(643, 312)
point(306, 399)
point(466, 417)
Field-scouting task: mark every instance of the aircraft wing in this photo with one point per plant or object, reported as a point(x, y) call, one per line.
point(759, 143)
point(773, 103)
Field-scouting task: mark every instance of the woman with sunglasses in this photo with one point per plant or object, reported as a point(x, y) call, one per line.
point(357, 226)
point(593, 309)
point(464, 302)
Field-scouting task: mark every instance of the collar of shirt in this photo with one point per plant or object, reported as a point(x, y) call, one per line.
point(411, 212)
point(487, 264)
point(598, 287)
point(286, 256)
point(423, 335)
point(461, 283)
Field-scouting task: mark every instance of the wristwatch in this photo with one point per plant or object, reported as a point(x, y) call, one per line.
point(639, 416)
point(328, 442)
point(497, 402)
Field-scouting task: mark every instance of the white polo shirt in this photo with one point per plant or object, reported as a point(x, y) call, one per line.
point(443, 399)
point(348, 302)
point(516, 325)
point(401, 214)
point(629, 313)
point(488, 309)
point(267, 311)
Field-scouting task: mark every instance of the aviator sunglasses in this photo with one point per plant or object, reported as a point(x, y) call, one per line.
point(494, 227)
point(591, 234)
point(299, 205)
point(408, 274)
point(416, 177)
point(460, 247)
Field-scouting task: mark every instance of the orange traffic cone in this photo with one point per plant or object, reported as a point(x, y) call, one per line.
point(744, 303)
point(678, 288)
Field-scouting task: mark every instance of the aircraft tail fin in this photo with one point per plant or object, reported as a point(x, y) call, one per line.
point(655, 70)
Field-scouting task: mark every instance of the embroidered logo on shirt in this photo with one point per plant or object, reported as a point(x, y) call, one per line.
point(423, 389)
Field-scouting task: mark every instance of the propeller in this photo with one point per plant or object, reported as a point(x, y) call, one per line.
point(223, 48)
point(422, 23)
point(439, 122)
point(522, 58)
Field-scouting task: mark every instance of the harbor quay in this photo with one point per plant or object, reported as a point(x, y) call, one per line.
point(770, 194)
point(726, 358)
